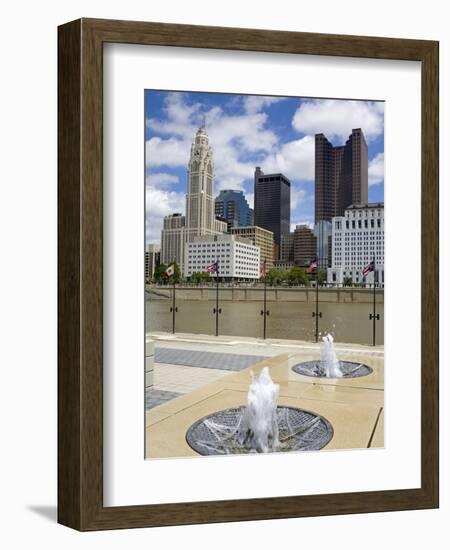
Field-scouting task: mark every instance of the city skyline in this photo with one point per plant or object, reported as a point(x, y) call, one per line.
point(248, 131)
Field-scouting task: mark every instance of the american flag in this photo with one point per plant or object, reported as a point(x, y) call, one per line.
point(368, 268)
point(264, 268)
point(312, 266)
point(213, 268)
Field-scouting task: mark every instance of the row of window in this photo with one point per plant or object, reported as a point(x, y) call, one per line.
point(358, 224)
point(363, 213)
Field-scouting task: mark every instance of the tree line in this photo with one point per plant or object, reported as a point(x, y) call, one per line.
point(275, 276)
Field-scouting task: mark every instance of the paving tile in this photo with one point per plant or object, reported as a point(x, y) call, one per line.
point(154, 397)
point(205, 359)
point(182, 379)
point(344, 394)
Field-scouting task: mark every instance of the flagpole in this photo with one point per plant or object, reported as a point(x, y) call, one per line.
point(217, 298)
point(265, 305)
point(173, 306)
point(314, 266)
point(317, 304)
point(265, 298)
point(374, 302)
point(319, 261)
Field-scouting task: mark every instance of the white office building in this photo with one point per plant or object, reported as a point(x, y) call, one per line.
point(357, 239)
point(238, 258)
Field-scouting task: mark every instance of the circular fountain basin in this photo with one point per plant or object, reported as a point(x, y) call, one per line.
point(349, 369)
point(299, 430)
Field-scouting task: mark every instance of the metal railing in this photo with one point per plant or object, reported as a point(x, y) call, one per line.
point(315, 302)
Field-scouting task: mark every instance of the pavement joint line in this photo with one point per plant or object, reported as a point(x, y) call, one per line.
point(337, 347)
point(196, 403)
point(258, 343)
point(375, 427)
point(340, 386)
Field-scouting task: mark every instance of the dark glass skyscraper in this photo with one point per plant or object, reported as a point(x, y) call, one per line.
point(232, 206)
point(273, 204)
point(341, 175)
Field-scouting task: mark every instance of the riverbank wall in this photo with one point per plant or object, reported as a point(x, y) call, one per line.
point(255, 294)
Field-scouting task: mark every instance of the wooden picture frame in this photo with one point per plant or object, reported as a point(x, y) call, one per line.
point(80, 322)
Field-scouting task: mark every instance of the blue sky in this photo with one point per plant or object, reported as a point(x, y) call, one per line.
point(275, 133)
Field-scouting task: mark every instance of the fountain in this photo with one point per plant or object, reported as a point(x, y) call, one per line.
point(328, 358)
point(329, 365)
point(260, 427)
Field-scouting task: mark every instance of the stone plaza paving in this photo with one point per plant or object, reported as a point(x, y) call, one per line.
point(178, 371)
point(206, 359)
point(183, 392)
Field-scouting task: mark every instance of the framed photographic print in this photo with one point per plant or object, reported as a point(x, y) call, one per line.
point(248, 274)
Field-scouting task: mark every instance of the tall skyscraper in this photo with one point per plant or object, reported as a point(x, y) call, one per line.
point(273, 204)
point(341, 175)
point(232, 206)
point(152, 258)
point(173, 238)
point(200, 216)
point(322, 232)
point(305, 244)
point(299, 247)
point(287, 248)
point(200, 212)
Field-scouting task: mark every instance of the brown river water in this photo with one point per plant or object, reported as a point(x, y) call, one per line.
point(347, 322)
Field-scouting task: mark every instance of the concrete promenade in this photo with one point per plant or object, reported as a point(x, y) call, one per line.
point(353, 406)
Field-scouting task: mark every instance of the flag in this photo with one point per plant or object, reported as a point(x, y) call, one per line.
point(213, 268)
point(368, 268)
point(264, 268)
point(312, 266)
point(169, 271)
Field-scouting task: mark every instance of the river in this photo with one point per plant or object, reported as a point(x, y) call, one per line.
point(347, 322)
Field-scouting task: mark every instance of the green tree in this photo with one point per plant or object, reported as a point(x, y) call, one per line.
point(275, 276)
point(348, 281)
point(176, 277)
point(321, 276)
point(159, 272)
point(297, 276)
point(199, 277)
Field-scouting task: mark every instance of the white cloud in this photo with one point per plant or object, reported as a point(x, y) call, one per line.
point(160, 179)
point(295, 159)
point(179, 118)
point(298, 195)
point(233, 138)
point(160, 203)
point(250, 199)
point(376, 169)
point(302, 221)
point(336, 118)
point(242, 141)
point(254, 103)
point(166, 152)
